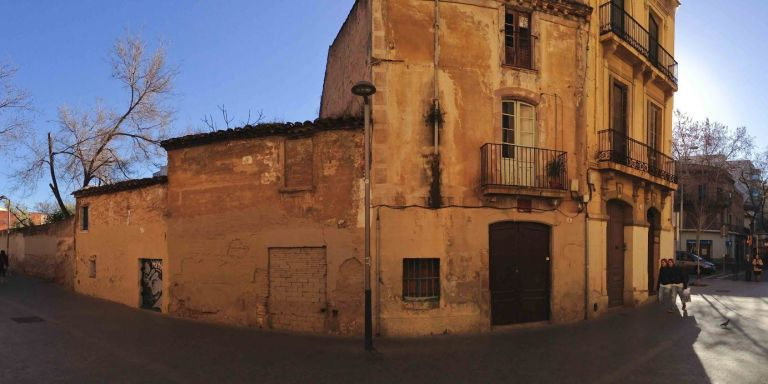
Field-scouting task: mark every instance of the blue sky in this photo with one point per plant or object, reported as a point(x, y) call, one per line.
point(722, 48)
point(270, 55)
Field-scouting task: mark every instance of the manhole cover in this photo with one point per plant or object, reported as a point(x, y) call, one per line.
point(723, 290)
point(28, 319)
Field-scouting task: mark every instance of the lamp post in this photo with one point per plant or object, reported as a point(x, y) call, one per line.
point(366, 89)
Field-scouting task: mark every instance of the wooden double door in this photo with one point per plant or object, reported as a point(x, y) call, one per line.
point(519, 272)
point(615, 252)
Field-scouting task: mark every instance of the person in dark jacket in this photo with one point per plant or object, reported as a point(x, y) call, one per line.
point(3, 265)
point(662, 285)
point(678, 280)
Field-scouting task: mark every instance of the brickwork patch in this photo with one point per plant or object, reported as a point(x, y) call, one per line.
point(297, 289)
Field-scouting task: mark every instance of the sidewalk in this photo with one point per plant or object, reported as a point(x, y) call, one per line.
point(84, 340)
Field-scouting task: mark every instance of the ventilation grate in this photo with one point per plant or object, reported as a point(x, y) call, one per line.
point(28, 319)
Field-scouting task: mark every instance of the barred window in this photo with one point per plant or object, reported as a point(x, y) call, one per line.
point(421, 279)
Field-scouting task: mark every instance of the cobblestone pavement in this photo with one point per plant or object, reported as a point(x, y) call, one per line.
point(86, 340)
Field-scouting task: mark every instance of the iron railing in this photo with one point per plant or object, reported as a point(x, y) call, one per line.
point(614, 19)
point(515, 165)
point(616, 147)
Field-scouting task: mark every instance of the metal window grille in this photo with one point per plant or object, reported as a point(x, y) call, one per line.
point(421, 279)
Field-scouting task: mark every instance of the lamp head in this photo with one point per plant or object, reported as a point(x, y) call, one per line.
point(364, 88)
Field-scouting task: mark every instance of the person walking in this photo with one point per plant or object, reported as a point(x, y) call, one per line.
point(3, 265)
point(757, 267)
point(678, 281)
point(748, 271)
point(662, 285)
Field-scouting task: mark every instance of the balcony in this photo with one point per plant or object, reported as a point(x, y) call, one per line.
point(618, 149)
point(517, 170)
point(613, 19)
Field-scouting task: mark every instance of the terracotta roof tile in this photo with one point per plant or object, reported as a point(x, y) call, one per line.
point(263, 130)
point(121, 186)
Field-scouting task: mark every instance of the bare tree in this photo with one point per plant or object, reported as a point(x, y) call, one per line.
point(212, 126)
point(14, 104)
point(705, 151)
point(101, 144)
point(753, 176)
point(23, 217)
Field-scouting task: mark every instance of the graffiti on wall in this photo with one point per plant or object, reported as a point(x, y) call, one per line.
point(151, 284)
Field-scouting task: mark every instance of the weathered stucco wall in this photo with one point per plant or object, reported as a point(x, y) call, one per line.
point(472, 84)
point(461, 242)
point(231, 212)
point(349, 61)
point(124, 228)
point(44, 251)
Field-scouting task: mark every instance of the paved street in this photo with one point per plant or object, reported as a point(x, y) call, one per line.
point(85, 340)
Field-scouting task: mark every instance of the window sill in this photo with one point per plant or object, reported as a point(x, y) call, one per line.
point(523, 69)
point(421, 303)
point(296, 189)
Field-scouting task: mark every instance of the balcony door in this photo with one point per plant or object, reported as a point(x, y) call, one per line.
point(518, 136)
point(653, 39)
point(617, 16)
point(619, 117)
point(654, 139)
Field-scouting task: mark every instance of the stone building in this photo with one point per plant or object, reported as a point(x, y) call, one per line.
point(520, 173)
point(258, 226)
point(520, 155)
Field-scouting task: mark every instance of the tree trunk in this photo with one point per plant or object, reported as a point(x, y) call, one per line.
point(54, 184)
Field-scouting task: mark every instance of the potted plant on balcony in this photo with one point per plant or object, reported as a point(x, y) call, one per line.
point(555, 169)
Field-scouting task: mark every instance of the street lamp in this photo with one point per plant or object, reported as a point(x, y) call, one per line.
point(366, 89)
point(8, 230)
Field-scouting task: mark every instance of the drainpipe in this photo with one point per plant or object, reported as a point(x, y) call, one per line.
point(378, 271)
point(586, 251)
point(436, 96)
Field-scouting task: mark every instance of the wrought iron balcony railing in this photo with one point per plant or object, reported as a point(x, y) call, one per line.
point(614, 19)
point(616, 147)
point(518, 166)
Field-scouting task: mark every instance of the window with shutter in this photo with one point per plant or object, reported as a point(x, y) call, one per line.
point(517, 39)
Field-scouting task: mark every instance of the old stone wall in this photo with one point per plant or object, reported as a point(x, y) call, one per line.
point(44, 251)
point(473, 81)
point(125, 229)
point(243, 214)
point(349, 61)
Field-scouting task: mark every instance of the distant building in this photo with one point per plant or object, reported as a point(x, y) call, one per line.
point(714, 202)
point(37, 218)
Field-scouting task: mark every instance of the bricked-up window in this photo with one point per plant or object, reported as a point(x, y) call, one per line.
point(421, 279)
point(84, 218)
point(517, 39)
point(298, 164)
